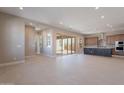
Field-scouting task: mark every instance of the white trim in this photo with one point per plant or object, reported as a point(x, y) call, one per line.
point(29, 56)
point(12, 63)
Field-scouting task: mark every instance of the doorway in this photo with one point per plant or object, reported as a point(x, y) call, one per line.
point(65, 44)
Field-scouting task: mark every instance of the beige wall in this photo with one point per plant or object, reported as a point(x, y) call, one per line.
point(11, 38)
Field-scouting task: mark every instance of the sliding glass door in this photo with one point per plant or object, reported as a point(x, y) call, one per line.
point(73, 45)
point(59, 44)
point(69, 45)
point(65, 44)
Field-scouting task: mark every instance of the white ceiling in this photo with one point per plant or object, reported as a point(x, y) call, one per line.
point(81, 20)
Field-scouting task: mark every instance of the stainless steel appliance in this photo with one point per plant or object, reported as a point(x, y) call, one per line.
point(119, 47)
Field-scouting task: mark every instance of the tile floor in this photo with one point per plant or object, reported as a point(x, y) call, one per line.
point(65, 70)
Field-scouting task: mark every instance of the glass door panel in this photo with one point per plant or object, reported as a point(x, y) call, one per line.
point(59, 46)
point(59, 43)
point(73, 45)
point(69, 45)
point(65, 46)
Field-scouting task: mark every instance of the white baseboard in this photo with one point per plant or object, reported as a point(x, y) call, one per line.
point(12, 63)
point(47, 55)
point(30, 56)
point(22, 61)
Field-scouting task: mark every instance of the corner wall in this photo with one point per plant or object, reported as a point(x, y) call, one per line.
point(11, 38)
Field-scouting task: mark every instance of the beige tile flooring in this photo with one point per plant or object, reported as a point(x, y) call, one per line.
point(71, 69)
point(64, 52)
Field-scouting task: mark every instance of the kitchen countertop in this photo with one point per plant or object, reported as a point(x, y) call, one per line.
point(99, 47)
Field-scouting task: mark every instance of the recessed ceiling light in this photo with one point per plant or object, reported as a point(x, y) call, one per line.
point(96, 8)
point(108, 25)
point(70, 26)
point(112, 29)
point(21, 8)
point(60, 23)
point(30, 24)
point(37, 28)
point(111, 26)
point(102, 17)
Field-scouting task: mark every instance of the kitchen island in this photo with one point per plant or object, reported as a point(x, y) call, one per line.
point(99, 51)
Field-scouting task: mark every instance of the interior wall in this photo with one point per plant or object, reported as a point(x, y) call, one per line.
point(11, 38)
point(47, 50)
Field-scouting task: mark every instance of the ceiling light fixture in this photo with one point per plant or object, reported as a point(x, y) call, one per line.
point(37, 28)
point(102, 17)
point(96, 8)
point(30, 24)
point(60, 23)
point(70, 26)
point(112, 29)
point(21, 8)
point(109, 25)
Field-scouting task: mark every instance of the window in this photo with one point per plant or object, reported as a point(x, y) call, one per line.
point(48, 40)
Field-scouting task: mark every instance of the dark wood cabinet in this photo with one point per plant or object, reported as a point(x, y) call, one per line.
point(98, 51)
